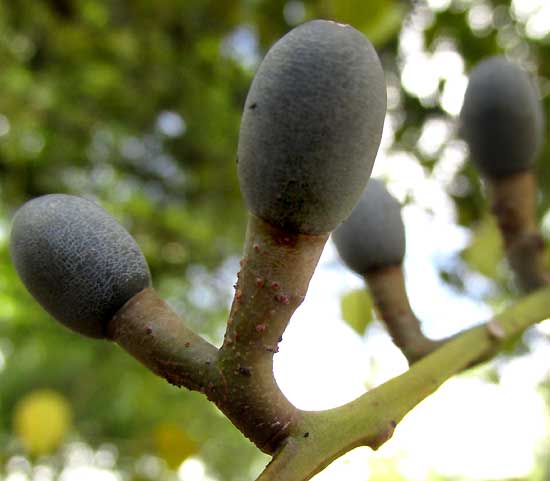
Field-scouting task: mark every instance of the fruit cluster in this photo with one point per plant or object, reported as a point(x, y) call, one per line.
point(310, 132)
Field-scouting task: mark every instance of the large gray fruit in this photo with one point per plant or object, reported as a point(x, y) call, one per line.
point(311, 127)
point(374, 235)
point(77, 261)
point(501, 119)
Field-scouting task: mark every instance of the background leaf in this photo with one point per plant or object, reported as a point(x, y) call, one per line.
point(357, 310)
point(485, 252)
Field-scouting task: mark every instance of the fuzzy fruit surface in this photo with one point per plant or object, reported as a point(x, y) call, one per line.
point(501, 118)
point(311, 127)
point(77, 261)
point(374, 235)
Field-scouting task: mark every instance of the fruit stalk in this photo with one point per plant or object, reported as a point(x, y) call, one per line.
point(148, 329)
point(387, 286)
point(371, 242)
point(513, 202)
point(275, 272)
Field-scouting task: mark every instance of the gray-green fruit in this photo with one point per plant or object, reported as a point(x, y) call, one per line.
point(311, 127)
point(501, 118)
point(77, 261)
point(373, 236)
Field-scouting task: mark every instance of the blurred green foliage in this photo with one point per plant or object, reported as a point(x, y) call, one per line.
point(357, 307)
point(136, 104)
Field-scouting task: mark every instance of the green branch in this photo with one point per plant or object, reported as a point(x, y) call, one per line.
point(321, 437)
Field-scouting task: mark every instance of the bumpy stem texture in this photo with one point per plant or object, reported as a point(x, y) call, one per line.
point(513, 202)
point(275, 272)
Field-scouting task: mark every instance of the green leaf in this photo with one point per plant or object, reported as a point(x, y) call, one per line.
point(485, 252)
point(380, 20)
point(357, 310)
point(387, 24)
point(173, 444)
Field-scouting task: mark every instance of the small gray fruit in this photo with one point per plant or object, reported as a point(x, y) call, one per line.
point(77, 261)
point(311, 127)
point(374, 235)
point(501, 118)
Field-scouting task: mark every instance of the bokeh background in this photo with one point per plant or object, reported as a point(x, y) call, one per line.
point(136, 105)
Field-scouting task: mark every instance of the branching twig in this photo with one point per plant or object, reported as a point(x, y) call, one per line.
point(275, 272)
point(321, 437)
